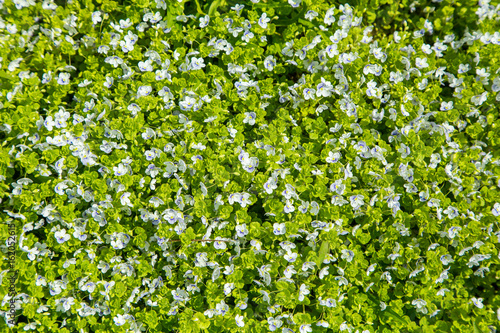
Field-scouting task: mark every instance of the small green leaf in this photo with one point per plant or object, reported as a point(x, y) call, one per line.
point(213, 7)
point(323, 250)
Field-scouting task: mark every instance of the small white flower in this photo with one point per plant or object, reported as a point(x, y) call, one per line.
point(197, 63)
point(421, 63)
point(289, 208)
point(241, 230)
point(120, 170)
point(290, 256)
point(279, 228)
point(247, 35)
point(454, 231)
point(305, 328)
point(303, 291)
point(187, 103)
point(61, 236)
point(329, 18)
point(219, 245)
point(264, 20)
point(309, 93)
point(59, 189)
point(269, 63)
point(124, 199)
point(96, 17)
point(347, 254)
point(333, 157)
point(420, 304)
point(239, 320)
point(63, 79)
point(204, 21)
point(144, 91)
point(446, 106)
point(314, 210)
point(310, 15)
point(250, 118)
point(324, 272)
point(478, 302)
point(496, 209)
point(146, 66)
point(119, 320)
point(370, 269)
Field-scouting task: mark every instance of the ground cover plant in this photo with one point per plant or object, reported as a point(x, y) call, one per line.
point(289, 166)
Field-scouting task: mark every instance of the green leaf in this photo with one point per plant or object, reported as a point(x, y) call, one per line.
point(201, 320)
point(213, 7)
point(151, 318)
point(187, 236)
point(323, 251)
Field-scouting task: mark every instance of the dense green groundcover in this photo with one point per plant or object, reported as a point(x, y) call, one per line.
point(289, 166)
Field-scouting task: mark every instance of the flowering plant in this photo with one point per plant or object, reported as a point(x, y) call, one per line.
point(290, 166)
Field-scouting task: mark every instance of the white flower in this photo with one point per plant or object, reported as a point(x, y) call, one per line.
point(496, 209)
point(290, 256)
point(59, 189)
point(124, 199)
point(247, 35)
point(219, 245)
point(294, 3)
point(454, 231)
point(463, 68)
point(309, 93)
point(63, 78)
point(305, 328)
point(446, 106)
point(114, 60)
point(303, 291)
point(204, 21)
point(250, 118)
point(279, 228)
point(144, 91)
point(289, 208)
point(239, 320)
point(119, 320)
point(333, 157)
point(347, 254)
point(478, 302)
point(61, 236)
point(274, 323)
point(324, 272)
point(370, 269)
point(197, 63)
point(156, 202)
point(324, 89)
point(120, 170)
point(187, 103)
point(264, 20)
point(421, 63)
point(314, 210)
point(269, 63)
point(270, 186)
point(146, 66)
point(310, 15)
point(221, 308)
point(96, 17)
point(329, 18)
point(420, 305)
point(241, 230)
point(357, 201)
